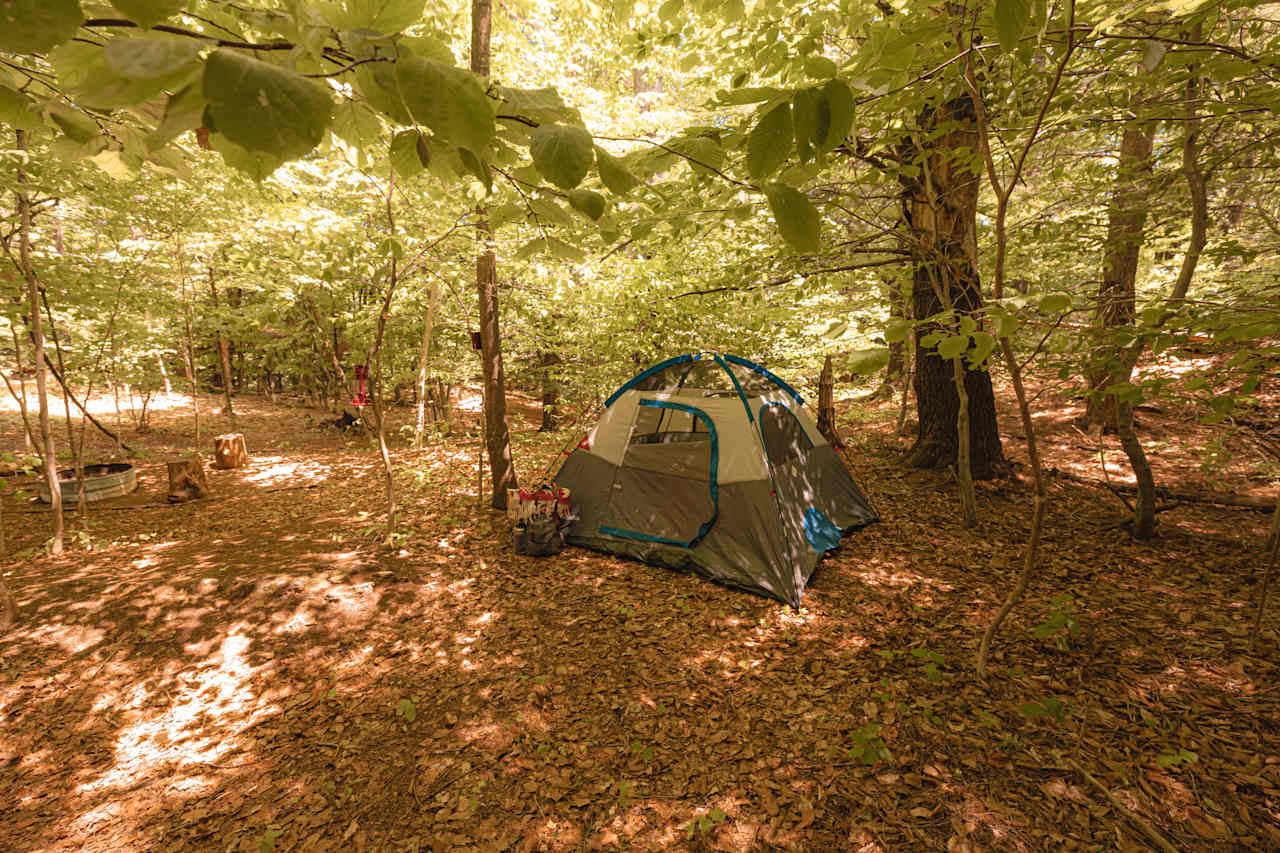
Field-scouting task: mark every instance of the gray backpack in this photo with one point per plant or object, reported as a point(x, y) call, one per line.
point(538, 537)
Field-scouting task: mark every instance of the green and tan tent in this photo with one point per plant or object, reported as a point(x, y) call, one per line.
point(710, 463)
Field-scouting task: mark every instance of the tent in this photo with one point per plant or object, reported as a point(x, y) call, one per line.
point(711, 463)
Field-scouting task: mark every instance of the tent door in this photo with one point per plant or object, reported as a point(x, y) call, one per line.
point(665, 490)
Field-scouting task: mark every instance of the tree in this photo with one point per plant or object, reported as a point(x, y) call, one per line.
point(497, 437)
point(939, 211)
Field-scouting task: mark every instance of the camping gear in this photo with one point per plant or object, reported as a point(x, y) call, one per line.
point(538, 537)
point(542, 515)
point(711, 463)
point(542, 501)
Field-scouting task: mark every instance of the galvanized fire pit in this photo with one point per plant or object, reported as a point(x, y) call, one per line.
point(102, 481)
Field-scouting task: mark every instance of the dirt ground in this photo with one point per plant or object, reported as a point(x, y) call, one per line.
point(257, 671)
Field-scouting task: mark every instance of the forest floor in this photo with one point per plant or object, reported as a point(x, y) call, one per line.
point(256, 671)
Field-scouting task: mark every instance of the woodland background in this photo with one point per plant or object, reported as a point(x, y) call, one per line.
point(1033, 243)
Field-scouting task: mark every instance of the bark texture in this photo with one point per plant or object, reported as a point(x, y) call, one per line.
point(497, 437)
point(940, 213)
point(37, 341)
point(1126, 223)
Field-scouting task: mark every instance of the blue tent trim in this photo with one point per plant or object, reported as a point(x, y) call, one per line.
point(637, 379)
point(715, 487)
point(751, 365)
point(738, 387)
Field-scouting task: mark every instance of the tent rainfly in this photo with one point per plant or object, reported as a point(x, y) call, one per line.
point(710, 463)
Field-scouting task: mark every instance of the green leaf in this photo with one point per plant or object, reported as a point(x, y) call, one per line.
point(562, 153)
point(448, 100)
point(748, 95)
point(477, 167)
point(356, 124)
point(839, 100)
point(613, 174)
point(505, 213)
point(83, 70)
point(406, 159)
point(590, 203)
point(1055, 303)
point(256, 164)
point(183, 111)
point(819, 67)
point(806, 111)
point(769, 143)
point(983, 344)
point(670, 9)
point(75, 124)
point(540, 105)
point(391, 247)
point(549, 211)
point(897, 329)
point(868, 361)
point(1011, 17)
point(705, 156)
point(377, 82)
point(797, 218)
point(147, 13)
point(150, 57)
point(263, 107)
point(18, 111)
point(36, 26)
point(953, 346)
point(1153, 55)
point(380, 16)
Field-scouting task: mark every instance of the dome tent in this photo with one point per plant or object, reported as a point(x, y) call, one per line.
point(711, 463)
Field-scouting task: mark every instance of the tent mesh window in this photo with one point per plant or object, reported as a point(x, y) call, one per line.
point(784, 439)
point(753, 384)
point(665, 426)
point(702, 375)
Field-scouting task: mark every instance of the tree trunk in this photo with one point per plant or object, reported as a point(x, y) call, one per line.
point(964, 477)
point(497, 436)
point(940, 213)
point(330, 348)
point(188, 348)
point(77, 459)
point(827, 404)
point(895, 370)
point(424, 353)
point(1126, 221)
point(550, 391)
point(224, 354)
point(375, 383)
point(29, 443)
point(37, 340)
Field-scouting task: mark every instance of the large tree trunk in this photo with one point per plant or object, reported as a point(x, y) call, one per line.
point(940, 213)
point(497, 437)
point(37, 340)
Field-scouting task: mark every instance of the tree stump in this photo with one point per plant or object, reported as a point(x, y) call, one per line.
point(229, 451)
point(187, 480)
point(827, 405)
